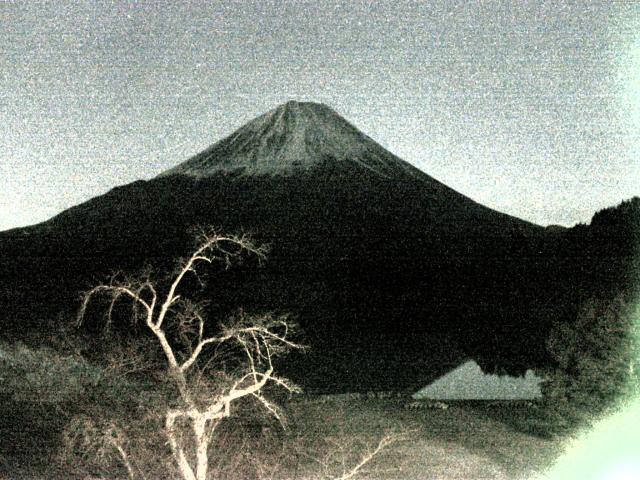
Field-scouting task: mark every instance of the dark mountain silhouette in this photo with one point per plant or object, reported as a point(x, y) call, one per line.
point(394, 277)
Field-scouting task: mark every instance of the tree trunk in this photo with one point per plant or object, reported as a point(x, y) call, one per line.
point(202, 444)
point(183, 465)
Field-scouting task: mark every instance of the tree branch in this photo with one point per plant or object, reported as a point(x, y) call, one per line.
point(367, 457)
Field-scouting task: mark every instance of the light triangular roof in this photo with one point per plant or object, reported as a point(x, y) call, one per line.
point(468, 382)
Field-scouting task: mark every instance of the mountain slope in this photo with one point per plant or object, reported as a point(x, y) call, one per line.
point(293, 137)
point(394, 276)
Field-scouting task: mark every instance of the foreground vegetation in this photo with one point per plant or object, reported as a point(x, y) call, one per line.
point(159, 402)
point(151, 389)
point(52, 396)
point(323, 437)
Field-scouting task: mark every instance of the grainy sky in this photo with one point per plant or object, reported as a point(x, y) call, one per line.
point(530, 107)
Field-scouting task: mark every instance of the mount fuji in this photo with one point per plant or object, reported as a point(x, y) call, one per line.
point(394, 277)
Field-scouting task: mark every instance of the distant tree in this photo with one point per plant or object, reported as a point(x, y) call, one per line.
point(596, 361)
point(239, 355)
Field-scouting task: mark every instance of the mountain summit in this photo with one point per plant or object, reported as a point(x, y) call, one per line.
point(293, 137)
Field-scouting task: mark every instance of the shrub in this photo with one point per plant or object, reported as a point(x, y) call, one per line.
point(43, 375)
point(596, 362)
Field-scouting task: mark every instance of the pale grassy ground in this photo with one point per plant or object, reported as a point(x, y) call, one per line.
point(325, 438)
point(462, 442)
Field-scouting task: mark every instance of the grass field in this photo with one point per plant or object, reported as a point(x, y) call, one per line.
point(326, 436)
point(469, 440)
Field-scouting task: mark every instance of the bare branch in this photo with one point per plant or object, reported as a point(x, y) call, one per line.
point(115, 291)
point(210, 249)
point(270, 407)
point(196, 351)
point(384, 442)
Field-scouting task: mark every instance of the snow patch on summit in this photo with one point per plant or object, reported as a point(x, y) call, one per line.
point(292, 137)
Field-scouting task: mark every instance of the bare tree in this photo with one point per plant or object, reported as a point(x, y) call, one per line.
point(180, 328)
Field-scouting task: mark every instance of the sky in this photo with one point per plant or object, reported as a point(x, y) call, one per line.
point(528, 107)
